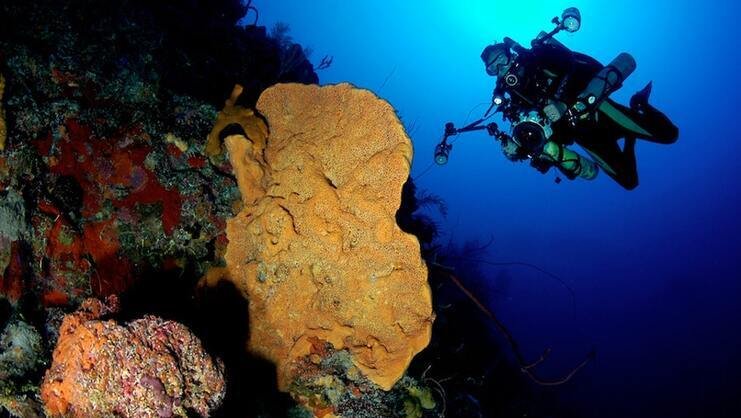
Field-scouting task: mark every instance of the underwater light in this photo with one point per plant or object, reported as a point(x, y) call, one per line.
point(571, 19)
point(442, 152)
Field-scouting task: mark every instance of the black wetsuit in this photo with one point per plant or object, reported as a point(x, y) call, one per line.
point(552, 72)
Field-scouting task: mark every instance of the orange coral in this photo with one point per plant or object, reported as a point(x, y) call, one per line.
point(148, 368)
point(316, 248)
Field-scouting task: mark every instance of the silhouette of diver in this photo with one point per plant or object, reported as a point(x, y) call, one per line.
point(555, 97)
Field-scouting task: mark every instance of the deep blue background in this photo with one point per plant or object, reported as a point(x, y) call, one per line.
point(655, 270)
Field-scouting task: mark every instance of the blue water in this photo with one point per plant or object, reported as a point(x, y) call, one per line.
point(655, 270)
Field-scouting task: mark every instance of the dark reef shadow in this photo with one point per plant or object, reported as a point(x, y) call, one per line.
point(219, 316)
point(465, 359)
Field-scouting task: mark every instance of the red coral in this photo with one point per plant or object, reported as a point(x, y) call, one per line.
point(173, 150)
point(101, 239)
point(153, 193)
point(4, 173)
point(113, 273)
point(11, 280)
point(55, 298)
point(197, 161)
point(111, 172)
point(104, 167)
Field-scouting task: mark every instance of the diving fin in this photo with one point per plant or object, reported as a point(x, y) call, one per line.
point(640, 100)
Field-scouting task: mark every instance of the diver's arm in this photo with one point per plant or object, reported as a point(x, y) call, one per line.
point(515, 46)
point(570, 163)
point(558, 62)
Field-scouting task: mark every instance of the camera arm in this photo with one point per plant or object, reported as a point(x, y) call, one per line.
point(442, 150)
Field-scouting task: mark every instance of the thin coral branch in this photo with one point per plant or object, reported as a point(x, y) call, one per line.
point(427, 169)
point(564, 379)
point(388, 77)
point(526, 367)
point(248, 7)
point(441, 392)
point(412, 128)
point(572, 294)
point(473, 247)
point(542, 358)
point(426, 199)
point(325, 62)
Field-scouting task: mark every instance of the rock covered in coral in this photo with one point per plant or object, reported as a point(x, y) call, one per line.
point(111, 205)
point(21, 406)
point(106, 132)
point(21, 359)
point(20, 350)
point(147, 368)
point(316, 248)
point(330, 385)
point(3, 132)
point(13, 230)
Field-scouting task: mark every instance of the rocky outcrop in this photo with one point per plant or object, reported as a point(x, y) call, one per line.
point(316, 249)
point(147, 368)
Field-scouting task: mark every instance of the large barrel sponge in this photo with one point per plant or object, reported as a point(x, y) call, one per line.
point(316, 248)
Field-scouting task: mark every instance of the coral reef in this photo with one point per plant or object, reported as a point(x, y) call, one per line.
point(3, 132)
point(20, 350)
point(105, 181)
point(329, 384)
point(109, 181)
point(21, 358)
point(316, 248)
point(13, 231)
point(147, 368)
point(108, 106)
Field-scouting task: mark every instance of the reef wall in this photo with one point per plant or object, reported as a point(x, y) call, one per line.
point(316, 248)
point(3, 132)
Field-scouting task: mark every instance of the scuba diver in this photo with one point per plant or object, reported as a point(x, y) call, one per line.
point(554, 97)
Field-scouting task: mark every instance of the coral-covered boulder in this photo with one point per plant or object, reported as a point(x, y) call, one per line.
point(20, 350)
point(147, 368)
point(316, 249)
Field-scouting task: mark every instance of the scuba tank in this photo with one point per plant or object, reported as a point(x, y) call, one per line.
point(607, 81)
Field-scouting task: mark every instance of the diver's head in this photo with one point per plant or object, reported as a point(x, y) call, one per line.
point(497, 59)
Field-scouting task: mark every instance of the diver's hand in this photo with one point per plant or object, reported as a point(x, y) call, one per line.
point(555, 110)
point(541, 164)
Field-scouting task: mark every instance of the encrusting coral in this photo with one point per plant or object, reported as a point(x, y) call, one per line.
point(148, 368)
point(316, 249)
point(105, 138)
point(20, 350)
point(3, 132)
